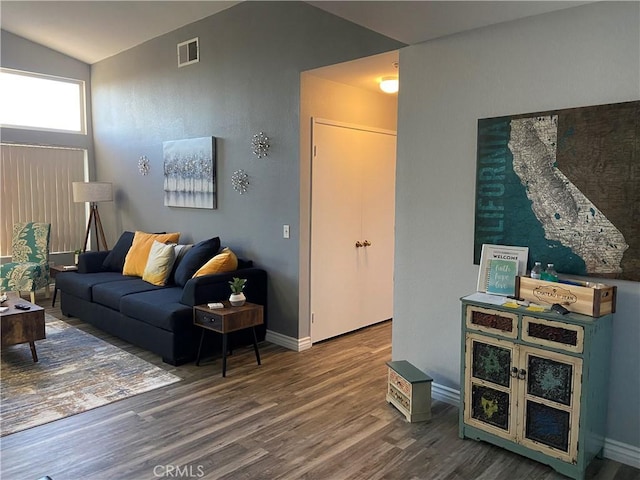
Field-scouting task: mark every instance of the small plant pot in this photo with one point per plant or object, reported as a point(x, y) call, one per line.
point(237, 299)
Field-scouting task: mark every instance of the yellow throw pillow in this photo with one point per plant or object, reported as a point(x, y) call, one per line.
point(225, 261)
point(136, 259)
point(160, 262)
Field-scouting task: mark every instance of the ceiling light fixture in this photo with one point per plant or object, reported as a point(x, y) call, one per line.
point(389, 84)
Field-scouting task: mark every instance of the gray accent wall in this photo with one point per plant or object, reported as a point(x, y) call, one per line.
point(247, 81)
point(582, 56)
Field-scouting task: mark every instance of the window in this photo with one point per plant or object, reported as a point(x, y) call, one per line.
point(36, 187)
point(41, 102)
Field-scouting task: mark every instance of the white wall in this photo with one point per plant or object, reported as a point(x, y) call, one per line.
point(582, 56)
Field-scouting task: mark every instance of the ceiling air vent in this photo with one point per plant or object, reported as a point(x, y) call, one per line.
point(188, 52)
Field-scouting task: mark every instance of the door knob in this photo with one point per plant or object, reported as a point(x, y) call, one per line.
point(366, 243)
point(358, 244)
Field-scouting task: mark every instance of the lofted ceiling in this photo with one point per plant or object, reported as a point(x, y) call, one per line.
point(91, 31)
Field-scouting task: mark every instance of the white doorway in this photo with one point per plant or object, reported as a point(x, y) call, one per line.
point(352, 227)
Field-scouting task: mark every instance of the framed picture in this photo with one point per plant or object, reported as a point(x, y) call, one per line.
point(190, 173)
point(497, 253)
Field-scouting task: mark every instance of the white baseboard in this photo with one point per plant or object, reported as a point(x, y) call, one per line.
point(445, 394)
point(613, 450)
point(621, 452)
point(295, 344)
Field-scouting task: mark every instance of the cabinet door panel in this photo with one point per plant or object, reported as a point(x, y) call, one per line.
point(491, 363)
point(549, 379)
point(490, 406)
point(550, 402)
point(547, 425)
point(489, 388)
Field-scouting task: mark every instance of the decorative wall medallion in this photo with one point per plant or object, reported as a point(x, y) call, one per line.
point(240, 181)
point(260, 145)
point(143, 165)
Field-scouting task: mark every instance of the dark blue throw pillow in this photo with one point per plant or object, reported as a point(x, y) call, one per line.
point(114, 262)
point(195, 258)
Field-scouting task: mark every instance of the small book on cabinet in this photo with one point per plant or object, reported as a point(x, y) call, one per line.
point(501, 278)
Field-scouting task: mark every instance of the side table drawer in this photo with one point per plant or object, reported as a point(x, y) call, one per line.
point(208, 320)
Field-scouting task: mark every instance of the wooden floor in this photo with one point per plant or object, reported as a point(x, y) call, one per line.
point(317, 414)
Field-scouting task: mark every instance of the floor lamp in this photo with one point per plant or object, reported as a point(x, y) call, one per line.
point(93, 192)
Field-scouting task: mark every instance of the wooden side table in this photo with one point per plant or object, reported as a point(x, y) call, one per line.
point(53, 271)
point(226, 320)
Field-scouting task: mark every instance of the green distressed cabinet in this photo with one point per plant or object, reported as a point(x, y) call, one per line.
point(535, 383)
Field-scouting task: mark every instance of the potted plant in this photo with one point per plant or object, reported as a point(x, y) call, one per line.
point(237, 297)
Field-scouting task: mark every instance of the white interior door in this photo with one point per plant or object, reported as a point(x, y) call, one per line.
point(378, 215)
point(352, 200)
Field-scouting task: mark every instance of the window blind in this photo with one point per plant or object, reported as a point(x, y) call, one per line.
point(36, 187)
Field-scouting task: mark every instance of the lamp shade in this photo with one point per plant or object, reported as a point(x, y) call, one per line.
point(92, 192)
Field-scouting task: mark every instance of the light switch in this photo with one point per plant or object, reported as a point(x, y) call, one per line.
point(285, 231)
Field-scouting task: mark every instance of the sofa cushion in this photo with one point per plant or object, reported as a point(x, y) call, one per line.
point(159, 264)
point(160, 308)
point(111, 294)
point(225, 261)
point(81, 284)
point(180, 251)
point(115, 259)
point(136, 259)
point(195, 258)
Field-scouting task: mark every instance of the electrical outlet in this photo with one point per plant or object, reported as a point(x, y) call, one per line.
point(285, 231)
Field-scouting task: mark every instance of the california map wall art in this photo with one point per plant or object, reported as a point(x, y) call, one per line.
point(566, 184)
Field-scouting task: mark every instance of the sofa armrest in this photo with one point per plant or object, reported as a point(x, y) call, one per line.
point(215, 288)
point(91, 262)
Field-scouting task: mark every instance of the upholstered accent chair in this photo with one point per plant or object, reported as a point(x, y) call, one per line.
point(28, 270)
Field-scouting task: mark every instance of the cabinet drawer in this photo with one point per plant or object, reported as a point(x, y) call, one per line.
point(560, 335)
point(492, 321)
point(400, 398)
point(400, 383)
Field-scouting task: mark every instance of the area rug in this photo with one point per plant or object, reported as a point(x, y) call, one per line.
point(76, 372)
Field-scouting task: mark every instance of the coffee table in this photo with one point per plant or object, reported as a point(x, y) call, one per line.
point(21, 326)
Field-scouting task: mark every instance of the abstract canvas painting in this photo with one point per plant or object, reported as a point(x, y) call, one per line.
point(190, 173)
point(564, 183)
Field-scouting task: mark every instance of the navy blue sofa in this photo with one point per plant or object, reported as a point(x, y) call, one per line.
point(156, 318)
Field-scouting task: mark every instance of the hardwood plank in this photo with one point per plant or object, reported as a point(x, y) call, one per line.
point(317, 414)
